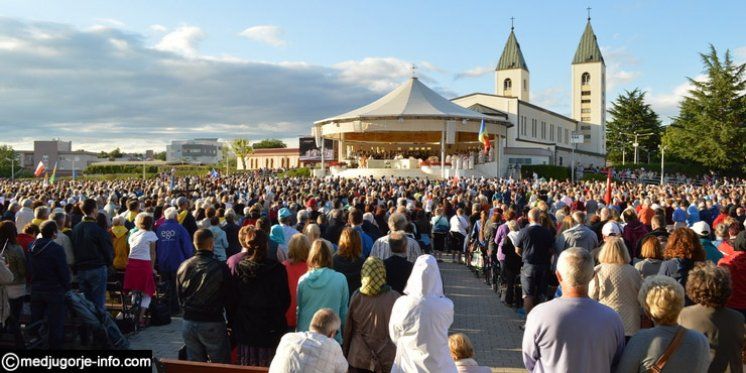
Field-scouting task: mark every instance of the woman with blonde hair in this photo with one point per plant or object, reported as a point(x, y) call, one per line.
point(462, 353)
point(321, 287)
point(347, 260)
point(668, 345)
point(296, 267)
point(652, 257)
point(616, 283)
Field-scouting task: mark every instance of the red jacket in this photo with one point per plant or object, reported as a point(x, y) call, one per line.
point(736, 263)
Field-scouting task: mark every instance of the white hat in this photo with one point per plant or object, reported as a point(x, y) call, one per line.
point(701, 228)
point(611, 229)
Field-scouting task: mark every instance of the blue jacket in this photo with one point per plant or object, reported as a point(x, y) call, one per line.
point(322, 288)
point(173, 246)
point(712, 253)
point(693, 215)
point(47, 266)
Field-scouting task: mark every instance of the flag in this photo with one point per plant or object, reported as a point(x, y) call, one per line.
point(607, 196)
point(46, 180)
point(483, 137)
point(40, 169)
point(214, 174)
point(54, 174)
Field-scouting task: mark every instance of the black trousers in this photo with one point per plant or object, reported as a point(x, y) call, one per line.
point(510, 276)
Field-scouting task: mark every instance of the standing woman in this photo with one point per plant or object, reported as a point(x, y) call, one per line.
point(347, 260)
point(321, 287)
point(683, 251)
point(138, 275)
point(368, 346)
point(296, 267)
point(616, 283)
point(15, 259)
point(261, 297)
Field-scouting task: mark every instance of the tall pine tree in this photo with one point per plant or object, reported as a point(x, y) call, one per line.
point(631, 114)
point(711, 126)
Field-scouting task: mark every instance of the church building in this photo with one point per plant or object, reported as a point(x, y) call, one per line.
point(539, 135)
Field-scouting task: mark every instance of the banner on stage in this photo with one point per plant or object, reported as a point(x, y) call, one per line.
point(310, 152)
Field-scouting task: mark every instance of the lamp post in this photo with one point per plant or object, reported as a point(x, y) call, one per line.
point(12, 168)
point(663, 162)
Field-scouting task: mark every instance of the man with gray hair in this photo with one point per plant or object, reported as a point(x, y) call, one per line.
point(25, 215)
point(579, 235)
point(314, 350)
point(382, 249)
point(573, 333)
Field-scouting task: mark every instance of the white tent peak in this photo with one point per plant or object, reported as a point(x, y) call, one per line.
point(412, 99)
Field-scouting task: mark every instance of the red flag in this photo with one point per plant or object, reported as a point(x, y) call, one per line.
point(40, 169)
point(607, 196)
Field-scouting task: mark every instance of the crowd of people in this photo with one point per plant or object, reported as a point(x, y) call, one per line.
point(310, 274)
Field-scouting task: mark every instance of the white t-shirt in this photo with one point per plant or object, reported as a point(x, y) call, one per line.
point(140, 244)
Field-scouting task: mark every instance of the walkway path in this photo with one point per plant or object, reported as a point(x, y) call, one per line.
point(492, 327)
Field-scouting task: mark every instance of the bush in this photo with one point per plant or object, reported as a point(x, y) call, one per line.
point(594, 177)
point(545, 171)
point(133, 170)
point(296, 172)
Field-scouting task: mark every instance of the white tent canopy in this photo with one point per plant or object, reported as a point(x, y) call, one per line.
point(411, 100)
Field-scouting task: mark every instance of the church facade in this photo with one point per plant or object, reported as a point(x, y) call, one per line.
point(539, 135)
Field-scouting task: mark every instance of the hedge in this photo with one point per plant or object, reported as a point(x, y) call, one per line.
point(297, 172)
point(135, 169)
point(545, 171)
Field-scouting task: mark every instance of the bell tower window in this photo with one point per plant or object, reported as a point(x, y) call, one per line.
point(507, 85)
point(585, 79)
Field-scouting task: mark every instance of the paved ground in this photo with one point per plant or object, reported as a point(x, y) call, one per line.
point(492, 327)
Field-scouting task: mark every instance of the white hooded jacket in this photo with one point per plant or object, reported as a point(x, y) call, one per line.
point(420, 320)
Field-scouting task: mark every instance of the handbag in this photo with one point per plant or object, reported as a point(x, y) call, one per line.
point(672, 347)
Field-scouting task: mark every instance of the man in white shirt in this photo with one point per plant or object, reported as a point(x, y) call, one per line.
point(312, 351)
point(459, 230)
point(381, 249)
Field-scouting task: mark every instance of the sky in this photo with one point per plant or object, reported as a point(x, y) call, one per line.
point(138, 74)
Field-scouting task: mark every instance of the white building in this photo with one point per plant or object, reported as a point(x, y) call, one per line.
point(56, 152)
point(202, 151)
point(539, 135)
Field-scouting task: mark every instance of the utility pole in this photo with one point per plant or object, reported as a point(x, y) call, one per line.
point(663, 162)
point(636, 145)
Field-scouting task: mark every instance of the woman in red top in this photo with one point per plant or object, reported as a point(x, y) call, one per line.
point(296, 266)
point(736, 263)
point(30, 231)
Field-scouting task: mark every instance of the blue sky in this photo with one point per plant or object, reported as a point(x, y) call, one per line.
point(97, 71)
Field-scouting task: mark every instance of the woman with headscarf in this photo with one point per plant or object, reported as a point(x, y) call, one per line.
point(367, 343)
point(420, 320)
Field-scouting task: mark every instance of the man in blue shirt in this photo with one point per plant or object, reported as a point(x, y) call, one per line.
point(355, 219)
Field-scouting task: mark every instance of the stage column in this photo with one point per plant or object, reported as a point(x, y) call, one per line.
point(443, 152)
point(342, 148)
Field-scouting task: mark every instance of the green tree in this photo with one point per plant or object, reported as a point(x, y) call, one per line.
point(241, 149)
point(630, 114)
point(711, 126)
point(269, 144)
point(7, 154)
point(161, 156)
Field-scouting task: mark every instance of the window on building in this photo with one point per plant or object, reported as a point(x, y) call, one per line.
point(585, 111)
point(543, 130)
point(551, 132)
point(533, 127)
point(585, 101)
point(525, 85)
point(567, 136)
point(585, 79)
point(585, 119)
point(507, 84)
point(585, 93)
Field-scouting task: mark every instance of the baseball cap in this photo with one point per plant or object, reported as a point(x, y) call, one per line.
point(701, 228)
point(611, 229)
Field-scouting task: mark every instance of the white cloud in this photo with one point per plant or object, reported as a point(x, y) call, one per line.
point(619, 67)
point(475, 72)
point(267, 34)
point(183, 40)
point(666, 104)
point(380, 74)
point(739, 54)
point(110, 22)
point(158, 28)
point(107, 88)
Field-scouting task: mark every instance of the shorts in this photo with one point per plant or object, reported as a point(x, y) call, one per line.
point(534, 279)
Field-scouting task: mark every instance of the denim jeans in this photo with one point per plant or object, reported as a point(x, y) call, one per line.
point(50, 306)
point(92, 282)
point(206, 341)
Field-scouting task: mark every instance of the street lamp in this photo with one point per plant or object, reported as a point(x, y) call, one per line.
point(12, 168)
point(663, 157)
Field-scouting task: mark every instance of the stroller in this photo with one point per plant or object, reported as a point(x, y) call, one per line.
point(104, 328)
